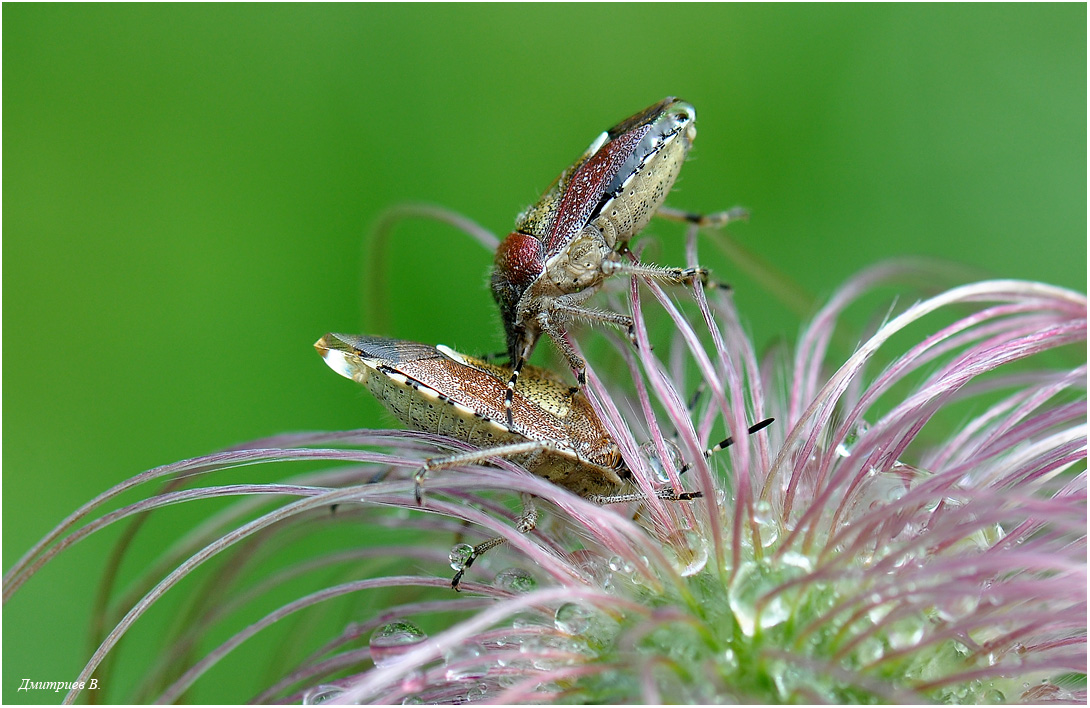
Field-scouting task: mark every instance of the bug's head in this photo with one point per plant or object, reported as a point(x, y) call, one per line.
point(520, 261)
point(345, 354)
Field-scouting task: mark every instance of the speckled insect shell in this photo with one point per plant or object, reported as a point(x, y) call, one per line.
point(438, 390)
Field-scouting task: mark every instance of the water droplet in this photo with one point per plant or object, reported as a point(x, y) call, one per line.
point(767, 526)
point(413, 681)
point(621, 565)
point(877, 613)
point(390, 641)
point(869, 650)
point(730, 660)
point(955, 607)
point(460, 662)
point(459, 555)
point(793, 561)
point(572, 618)
point(650, 454)
point(321, 694)
point(994, 697)
point(514, 580)
point(477, 693)
point(905, 633)
point(690, 552)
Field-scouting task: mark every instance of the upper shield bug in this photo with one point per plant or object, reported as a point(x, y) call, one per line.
point(555, 433)
point(565, 246)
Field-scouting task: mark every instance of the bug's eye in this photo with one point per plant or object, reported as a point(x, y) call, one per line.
point(682, 112)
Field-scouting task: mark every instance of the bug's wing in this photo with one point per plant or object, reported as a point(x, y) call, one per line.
point(582, 193)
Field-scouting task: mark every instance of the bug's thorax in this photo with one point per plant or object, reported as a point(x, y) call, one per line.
point(567, 243)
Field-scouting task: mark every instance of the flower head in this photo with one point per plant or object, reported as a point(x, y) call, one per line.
point(911, 528)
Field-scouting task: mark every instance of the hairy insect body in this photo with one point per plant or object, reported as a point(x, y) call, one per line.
point(566, 245)
point(438, 390)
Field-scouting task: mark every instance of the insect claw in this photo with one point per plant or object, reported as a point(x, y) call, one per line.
point(457, 579)
point(418, 486)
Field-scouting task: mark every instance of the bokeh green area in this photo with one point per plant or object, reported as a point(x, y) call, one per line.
point(187, 189)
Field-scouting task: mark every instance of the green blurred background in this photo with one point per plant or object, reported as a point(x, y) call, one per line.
point(186, 191)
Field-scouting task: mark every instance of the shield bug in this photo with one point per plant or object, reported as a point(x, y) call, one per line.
point(555, 433)
point(565, 246)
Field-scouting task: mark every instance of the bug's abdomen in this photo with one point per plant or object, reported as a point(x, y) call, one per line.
point(425, 409)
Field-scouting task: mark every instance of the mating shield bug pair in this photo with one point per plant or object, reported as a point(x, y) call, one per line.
point(563, 249)
point(566, 245)
point(555, 433)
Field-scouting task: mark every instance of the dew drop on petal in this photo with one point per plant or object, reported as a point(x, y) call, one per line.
point(460, 555)
point(514, 580)
point(321, 694)
point(390, 641)
point(691, 552)
point(413, 681)
point(460, 662)
point(572, 618)
point(477, 693)
point(767, 526)
point(621, 565)
point(905, 633)
point(793, 562)
point(955, 607)
point(742, 596)
point(869, 650)
point(650, 455)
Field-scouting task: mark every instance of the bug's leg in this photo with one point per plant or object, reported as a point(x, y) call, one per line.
point(526, 523)
point(695, 398)
point(474, 457)
point(669, 493)
point(667, 275)
point(493, 357)
point(727, 442)
point(666, 493)
point(714, 220)
point(528, 343)
point(578, 312)
point(509, 395)
point(479, 550)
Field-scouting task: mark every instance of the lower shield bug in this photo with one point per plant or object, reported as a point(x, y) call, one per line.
point(566, 245)
point(555, 434)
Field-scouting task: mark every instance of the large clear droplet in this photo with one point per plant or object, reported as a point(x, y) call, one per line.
point(514, 580)
point(767, 526)
point(321, 694)
point(390, 641)
point(460, 555)
point(572, 618)
point(691, 552)
point(621, 565)
point(650, 454)
point(461, 664)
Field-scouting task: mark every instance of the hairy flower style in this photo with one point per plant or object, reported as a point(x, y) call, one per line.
point(910, 529)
